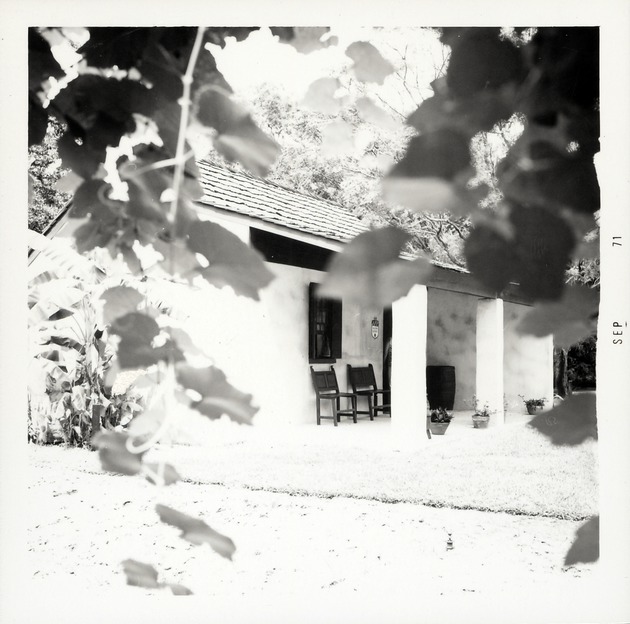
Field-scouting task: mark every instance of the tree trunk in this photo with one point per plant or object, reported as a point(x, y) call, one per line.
point(561, 373)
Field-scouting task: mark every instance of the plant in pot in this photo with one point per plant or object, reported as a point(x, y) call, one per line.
point(533, 405)
point(482, 414)
point(439, 420)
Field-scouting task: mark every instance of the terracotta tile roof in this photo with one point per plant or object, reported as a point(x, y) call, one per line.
point(245, 194)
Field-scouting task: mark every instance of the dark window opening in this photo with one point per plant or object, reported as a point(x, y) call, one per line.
point(324, 327)
point(283, 250)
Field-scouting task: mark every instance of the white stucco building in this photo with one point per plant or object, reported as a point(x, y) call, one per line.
point(267, 347)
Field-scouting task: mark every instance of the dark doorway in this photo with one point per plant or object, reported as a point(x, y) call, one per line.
point(387, 353)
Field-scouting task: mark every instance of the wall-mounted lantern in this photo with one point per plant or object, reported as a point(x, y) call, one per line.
point(375, 328)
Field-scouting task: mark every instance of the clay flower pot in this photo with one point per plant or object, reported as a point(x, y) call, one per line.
point(438, 428)
point(480, 421)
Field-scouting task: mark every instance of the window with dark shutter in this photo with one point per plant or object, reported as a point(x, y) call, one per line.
point(324, 327)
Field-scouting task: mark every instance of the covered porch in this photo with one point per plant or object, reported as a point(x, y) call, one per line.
point(382, 433)
point(495, 365)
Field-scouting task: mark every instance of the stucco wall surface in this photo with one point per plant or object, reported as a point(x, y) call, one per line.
point(451, 339)
point(527, 362)
point(263, 346)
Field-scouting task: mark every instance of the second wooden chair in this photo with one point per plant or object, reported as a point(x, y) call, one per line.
point(327, 388)
point(363, 383)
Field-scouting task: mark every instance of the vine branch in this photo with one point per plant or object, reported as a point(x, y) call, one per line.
point(180, 156)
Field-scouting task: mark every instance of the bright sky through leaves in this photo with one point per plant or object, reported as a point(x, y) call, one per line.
point(260, 59)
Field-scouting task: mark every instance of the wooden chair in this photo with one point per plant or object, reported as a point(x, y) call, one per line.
point(363, 383)
point(327, 388)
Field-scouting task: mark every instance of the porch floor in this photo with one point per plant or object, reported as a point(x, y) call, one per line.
point(378, 433)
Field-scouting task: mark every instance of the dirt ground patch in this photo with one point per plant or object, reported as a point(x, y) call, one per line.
point(83, 523)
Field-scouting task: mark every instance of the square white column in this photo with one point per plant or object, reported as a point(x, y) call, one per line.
point(409, 362)
point(489, 379)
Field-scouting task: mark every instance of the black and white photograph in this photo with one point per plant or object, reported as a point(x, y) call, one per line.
point(323, 321)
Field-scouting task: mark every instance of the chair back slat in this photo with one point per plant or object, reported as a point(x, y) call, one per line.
point(362, 377)
point(325, 382)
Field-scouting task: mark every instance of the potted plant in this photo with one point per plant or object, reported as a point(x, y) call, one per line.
point(439, 420)
point(482, 414)
point(533, 405)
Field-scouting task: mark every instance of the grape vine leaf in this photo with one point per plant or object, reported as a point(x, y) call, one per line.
point(160, 54)
point(119, 301)
point(140, 574)
point(443, 153)
point(218, 396)
point(533, 250)
point(433, 195)
point(552, 177)
point(169, 473)
point(100, 110)
point(184, 341)
point(88, 198)
point(480, 60)
point(179, 590)
point(569, 319)
point(370, 112)
point(585, 548)
point(196, 531)
point(239, 138)
point(97, 231)
point(321, 96)
point(146, 424)
point(544, 242)
point(167, 117)
point(231, 261)
point(478, 113)
point(369, 271)
point(79, 157)
point(135, 349)
point(567, 64)
point(250, 146)
point(147, 182)
point(432, 176)
point(587, 249)
point(42, 65)
point(304, 39)
point(115, 46)
point(131, 259)
point(37, 123)
point(217, 36)
point(113, 453)
point(178, 260)
point(570, 423)
point(369, 64)
point(490, 256)
point(165, 59)
point(206, 71)
point(69, 182)
point(214, 107)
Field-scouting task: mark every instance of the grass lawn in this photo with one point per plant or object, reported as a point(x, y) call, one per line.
point(312, 523)
point(510, 469)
